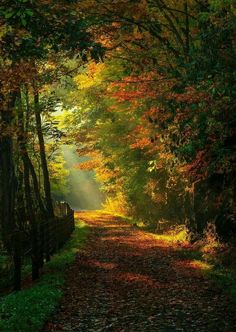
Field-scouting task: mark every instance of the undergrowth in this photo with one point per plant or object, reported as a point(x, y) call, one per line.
point(216, 260)
point(28, 309)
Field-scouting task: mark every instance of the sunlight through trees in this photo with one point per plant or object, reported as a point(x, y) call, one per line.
point(144, 92)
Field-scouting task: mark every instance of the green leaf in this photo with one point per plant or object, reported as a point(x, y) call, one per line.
point(29, 12)
point(9, 14)
point(23, 21)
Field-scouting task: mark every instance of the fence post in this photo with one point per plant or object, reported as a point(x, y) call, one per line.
point(58, 230)
point(17, 261)
point(41, 243)
point(73, 220)
point(35, 251)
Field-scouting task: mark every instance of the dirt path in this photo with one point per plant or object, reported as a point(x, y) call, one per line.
point(125, 280)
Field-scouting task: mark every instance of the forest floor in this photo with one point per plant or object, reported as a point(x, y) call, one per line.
point(124, 279)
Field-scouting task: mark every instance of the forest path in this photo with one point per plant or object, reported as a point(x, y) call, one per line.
point(126, 280)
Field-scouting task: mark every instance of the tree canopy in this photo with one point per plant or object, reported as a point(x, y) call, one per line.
point(146, 91)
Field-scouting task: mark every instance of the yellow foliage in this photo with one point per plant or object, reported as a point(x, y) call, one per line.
point(179, 235)
point(210, 244)
point(92, 76)
point(116, 204)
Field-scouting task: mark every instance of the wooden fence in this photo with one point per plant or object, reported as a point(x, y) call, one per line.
point(61, 227)
point(44, 239)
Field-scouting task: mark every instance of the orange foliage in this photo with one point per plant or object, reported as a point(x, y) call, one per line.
point(88, 165)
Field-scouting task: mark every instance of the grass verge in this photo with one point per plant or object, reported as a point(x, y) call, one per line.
point(29, 309)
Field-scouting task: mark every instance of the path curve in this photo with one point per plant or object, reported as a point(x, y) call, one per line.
point(124, 280)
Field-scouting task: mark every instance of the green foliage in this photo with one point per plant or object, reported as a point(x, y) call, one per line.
point(59, 176)
point(61, 27)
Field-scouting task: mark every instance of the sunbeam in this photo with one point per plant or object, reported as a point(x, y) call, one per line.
point(84, 193)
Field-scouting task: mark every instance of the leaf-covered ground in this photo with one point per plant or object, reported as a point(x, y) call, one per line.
point(126, 280)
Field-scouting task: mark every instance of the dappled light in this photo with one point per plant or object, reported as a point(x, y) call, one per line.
point(135, 278)
point(102, 265)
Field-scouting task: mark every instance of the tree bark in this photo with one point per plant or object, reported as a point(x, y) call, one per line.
point(47, 186)
point(34, 228)
point(17, 259)
point(8, 183)
point(187, 34)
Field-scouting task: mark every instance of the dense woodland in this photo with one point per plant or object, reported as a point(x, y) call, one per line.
point(146, 91)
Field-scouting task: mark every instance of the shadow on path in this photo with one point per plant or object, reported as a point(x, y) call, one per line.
point(125, 280)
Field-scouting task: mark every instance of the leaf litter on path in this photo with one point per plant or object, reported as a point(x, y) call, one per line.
point(124, 280)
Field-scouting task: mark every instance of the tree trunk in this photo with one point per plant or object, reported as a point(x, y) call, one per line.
point(47, 186)
point(8, 183)
point(17, 259)
point(29, 169)
point(34, 228)
point(8, 187)
point(20, 213)
point(187, 34)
